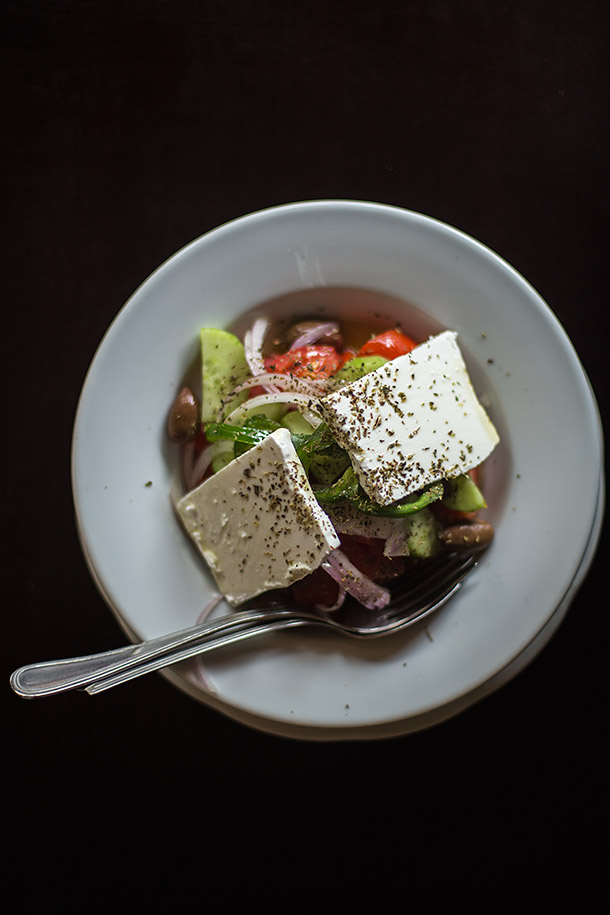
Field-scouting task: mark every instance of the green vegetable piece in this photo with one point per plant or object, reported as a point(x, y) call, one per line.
point(422, 535)
point(248, 436)
point(463, 495)
point(356, 368)
point(318, 451)
point(320, 439)
point(345, 489)
point(221, 460)
point(348, 489)
point(296, 422)
point(326, 466)
point(274, 411)
point(257, 428)
point(223, 367)
point(259, 424)
point(408, 506)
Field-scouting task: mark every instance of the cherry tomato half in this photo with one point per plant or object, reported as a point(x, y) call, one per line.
point(314, 361)
point(391, 343)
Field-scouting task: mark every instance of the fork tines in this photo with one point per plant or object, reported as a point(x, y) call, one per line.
point(431, 582)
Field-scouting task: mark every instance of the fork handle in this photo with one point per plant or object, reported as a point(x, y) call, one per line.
point(200, 647)
point(50, 677)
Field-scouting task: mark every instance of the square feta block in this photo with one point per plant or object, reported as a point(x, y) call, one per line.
point(411, 422)
point(257, 522)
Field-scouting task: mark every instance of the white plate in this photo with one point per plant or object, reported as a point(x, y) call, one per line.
point(184, 679)
point(521, 361)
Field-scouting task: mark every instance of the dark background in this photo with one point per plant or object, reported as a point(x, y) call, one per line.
point(131, 128)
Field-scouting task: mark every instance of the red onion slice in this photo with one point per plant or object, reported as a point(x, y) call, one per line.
point(292, 398)
point(202, 463)
point(314, 334)
point(253, 345)
point(273, 382)
point(200, 669)
point(362, 588)
point(211, 605)
point(396, 544)
point(332, 608)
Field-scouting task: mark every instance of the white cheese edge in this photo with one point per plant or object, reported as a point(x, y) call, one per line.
point(377, 419)
point(228, 521)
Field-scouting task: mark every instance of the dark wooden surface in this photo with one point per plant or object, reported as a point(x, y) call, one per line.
point(130, 128)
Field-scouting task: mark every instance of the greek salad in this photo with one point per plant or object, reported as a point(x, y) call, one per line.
point(326, 468)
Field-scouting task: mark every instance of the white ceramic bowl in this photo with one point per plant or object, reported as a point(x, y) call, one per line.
point(307, 684)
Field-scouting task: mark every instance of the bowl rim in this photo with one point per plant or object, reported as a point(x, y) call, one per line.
point(251, 220)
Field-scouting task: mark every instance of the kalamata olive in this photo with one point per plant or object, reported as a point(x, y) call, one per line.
point(183, 420)
point(469, 537)
point(303, 328)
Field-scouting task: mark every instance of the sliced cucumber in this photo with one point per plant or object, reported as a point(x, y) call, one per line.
point(223, 367)
point(274, 411)
point(221, 461)
point(296, 422)
point(463, 495)
point(356, 368)
point(422, 535)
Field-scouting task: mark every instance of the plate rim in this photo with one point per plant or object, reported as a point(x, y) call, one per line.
point(253, 217)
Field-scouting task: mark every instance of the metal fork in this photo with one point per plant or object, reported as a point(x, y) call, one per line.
point(415, 597)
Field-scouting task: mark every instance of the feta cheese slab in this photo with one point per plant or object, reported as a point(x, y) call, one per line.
point(257, 522)
point(411, 422)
